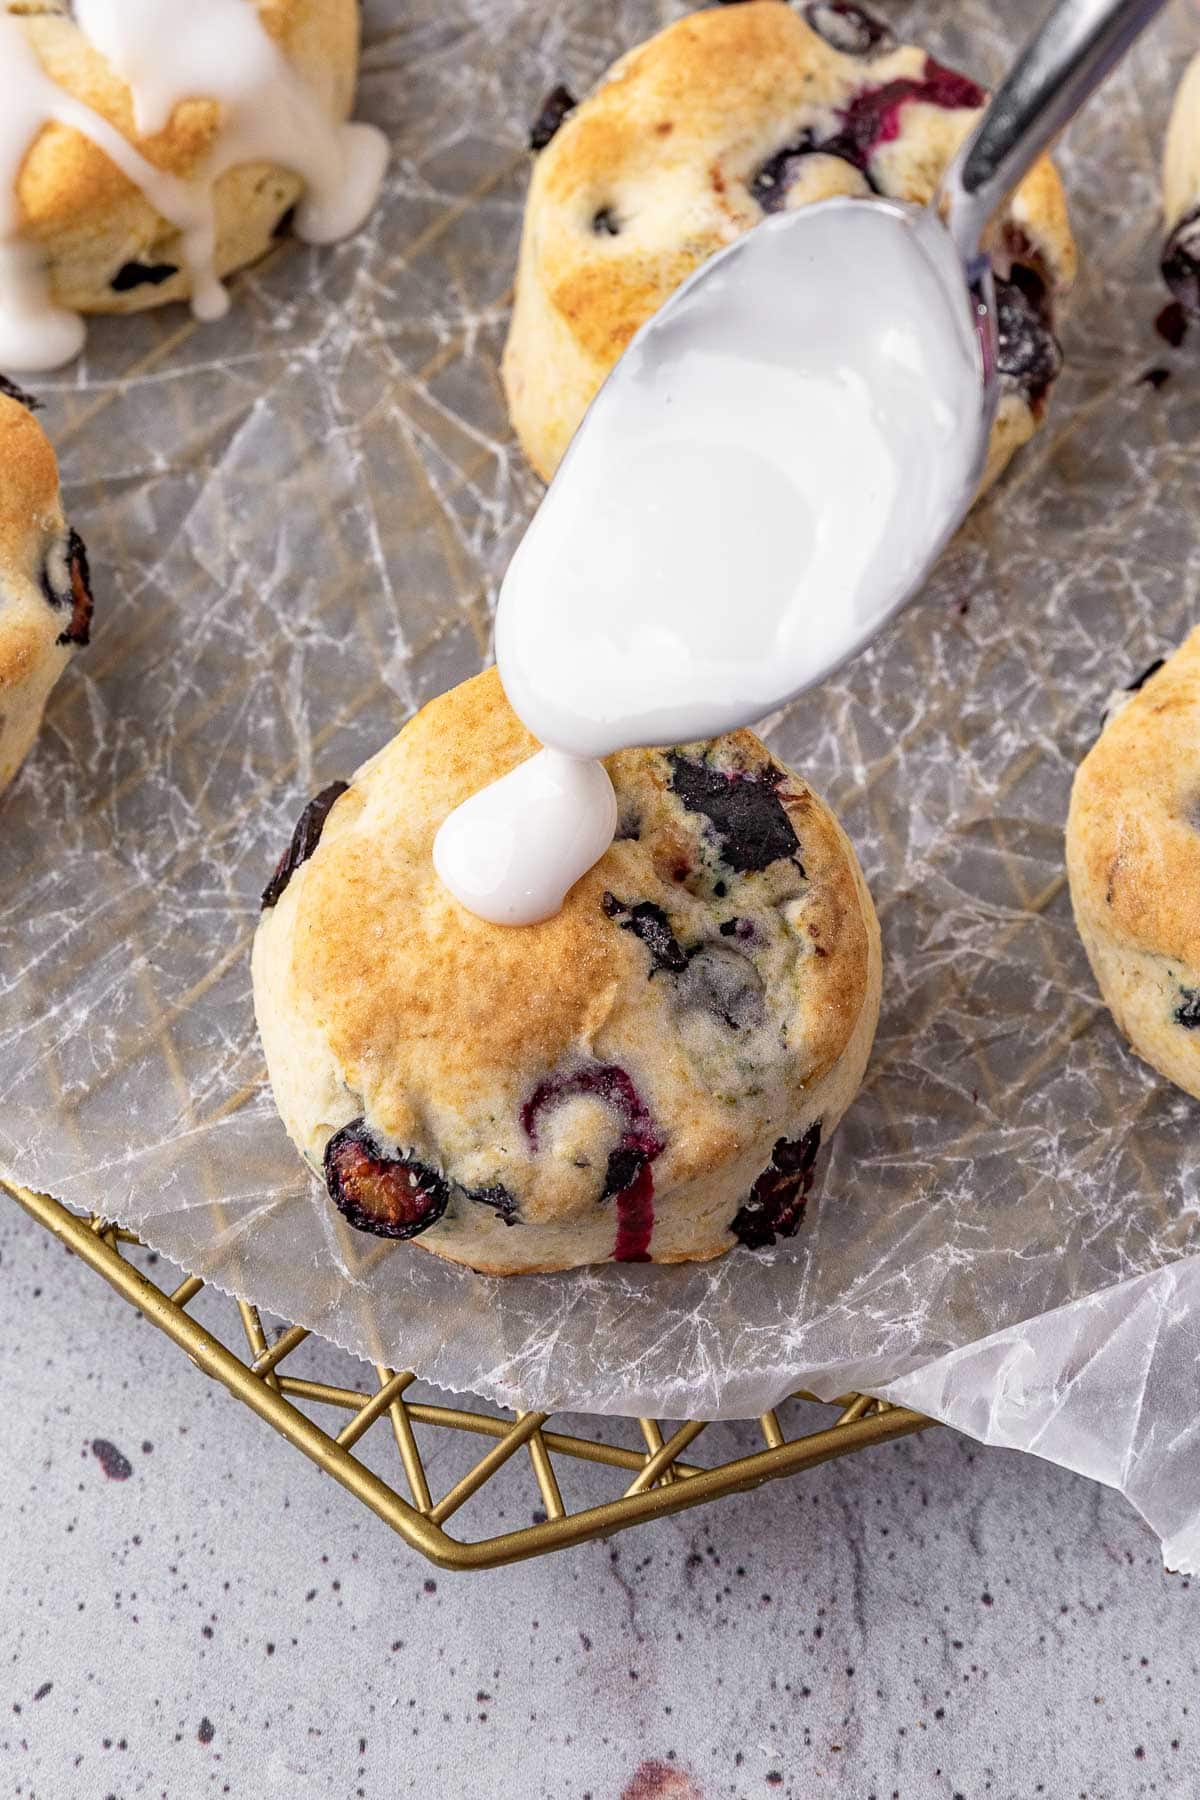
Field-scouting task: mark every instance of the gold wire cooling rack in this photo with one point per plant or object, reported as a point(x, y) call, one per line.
point(657, 1479)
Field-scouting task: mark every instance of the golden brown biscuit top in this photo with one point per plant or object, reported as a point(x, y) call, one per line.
point(1136, 812)
point(658, 168)
point(433, 1015)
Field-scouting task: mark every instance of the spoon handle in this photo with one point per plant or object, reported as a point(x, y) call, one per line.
point(1060, 67)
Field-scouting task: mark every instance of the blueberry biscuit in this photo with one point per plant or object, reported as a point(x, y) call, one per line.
point(1133, 857)
point(649, 1076)
point(45, 597)
point(1181, 192)
point(692, 137)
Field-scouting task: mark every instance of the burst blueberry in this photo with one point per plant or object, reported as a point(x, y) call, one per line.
point(1027, 351)
point(74, 591)
point(873, 116)
point(778, 1198)
point(744, 810)
point(628, 1176)
point(388, 1196)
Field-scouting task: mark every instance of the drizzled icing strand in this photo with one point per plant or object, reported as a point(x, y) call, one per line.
point(219, 52)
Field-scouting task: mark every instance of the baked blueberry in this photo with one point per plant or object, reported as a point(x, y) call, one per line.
point(13, 392)
point(720, 980)
point(67, 582)
point(778, 1198)
point(1027, 351)
point(773, 180)
point(1187, 1013)
point(849, 28)
point(389, 1196)
point(554, 109)
point(744, 810)
point(603, 1081)
point(501, 1201)
point(132, 275)
point(649, 923)
point(1181, 261)
point(305, 839)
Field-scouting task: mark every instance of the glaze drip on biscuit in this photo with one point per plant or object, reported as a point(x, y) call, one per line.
point(168, 54)
point(765, 476)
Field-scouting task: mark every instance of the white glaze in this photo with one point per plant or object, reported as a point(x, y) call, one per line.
point(565, 803)
point(764, 478)
point(34, 333)
point(168, 53)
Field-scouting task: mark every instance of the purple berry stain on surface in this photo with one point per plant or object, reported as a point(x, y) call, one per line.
point(305, 839)
point(745, 811)
point(388, 1196)
point(116, 1466)
point(629, 1179)
point(778, 1198)
point(873, 116)
point(635, 1216)
point(871, 119)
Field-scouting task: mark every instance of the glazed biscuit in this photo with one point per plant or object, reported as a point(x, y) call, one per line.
point(647, 1076)
point(105, 247)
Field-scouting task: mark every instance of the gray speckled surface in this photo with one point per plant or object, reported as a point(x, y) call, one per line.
point(928, 1619)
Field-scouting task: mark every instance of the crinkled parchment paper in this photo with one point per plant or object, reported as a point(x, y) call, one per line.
point(298, 519)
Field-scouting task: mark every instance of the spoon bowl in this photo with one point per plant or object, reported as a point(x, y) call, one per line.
point(763, 481)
